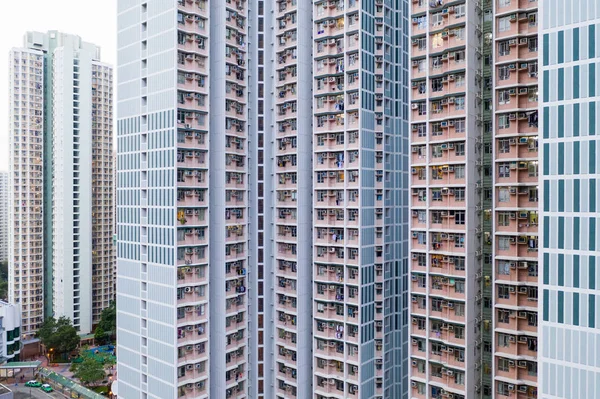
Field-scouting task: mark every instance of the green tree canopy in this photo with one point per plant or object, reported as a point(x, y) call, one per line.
point(90, 371)
point(108, 319)
point(59, 335)
point(100, 335)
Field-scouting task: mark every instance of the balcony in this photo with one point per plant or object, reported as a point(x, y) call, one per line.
point(517, 73)
point(516, 5)
point(518, 272)
point(516, 172)
point(521, 23)
point(521, 148)
point(516, 49)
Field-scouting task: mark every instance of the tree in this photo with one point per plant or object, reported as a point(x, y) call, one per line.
point(100, 336)
point(108, 319)
point(90, 370)
point(59, 335)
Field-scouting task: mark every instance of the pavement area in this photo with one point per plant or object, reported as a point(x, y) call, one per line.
point(22, 392)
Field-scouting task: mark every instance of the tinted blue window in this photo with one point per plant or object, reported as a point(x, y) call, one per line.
point(561, 47)
point(575, 309)
point(592, 237)
point(576, 271)
point(592, 311)
point(575, 233)
point(576, 120)
point(561, 195)
point(546, 266)
point(592, 273)
point(592, 41)
point(561, 155)
point(591, 74)
point(561, 304)
point(592, 195)
point(561, 270)
point(561, 232)
point(546, 304)
point(576, 44)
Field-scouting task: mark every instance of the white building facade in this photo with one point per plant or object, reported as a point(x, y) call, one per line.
point(4, 193)
point(61, 181)
point(570, 199)
point(218, 148)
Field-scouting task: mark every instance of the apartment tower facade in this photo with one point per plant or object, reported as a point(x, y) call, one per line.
point(446, 147)
point(475, 199)
point(515, 215)
point(4, 193)
point(62, 259)
point(570, 200)
point(262, 182)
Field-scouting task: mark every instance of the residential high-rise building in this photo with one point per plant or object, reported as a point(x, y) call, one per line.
point(61, 216)
point(4, 200)
point(262, 199)
point(360, 199)
point(446, 146)
point(475, 198)
point(515, 202)
point(569, 199)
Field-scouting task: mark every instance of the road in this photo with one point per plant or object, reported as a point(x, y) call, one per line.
point(22, 392)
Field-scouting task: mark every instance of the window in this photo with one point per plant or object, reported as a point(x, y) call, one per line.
point(503, 389)
point(459, 287)
point(459, 171)
point(459, 378)
point(504, 97)
point(503, 219)
point(532, 68)
point(532, 319)
point(503, 316)
point(459, 149)
point(503, 364)
point(504, 146)
point(532, 44)
point(459, 103)
point(459, 80)
point(503, 3)
point(459, 309)
point(504, 24)
point(532, 168)
point(503, 170)
point(503, 340)
point(459, 194)
point(504, 243)
point(459, 218)
point(503, 48)
point(532, 293)
point(503, 292)
point(503, 73)
point(459, 11)
point(503, 122)
point(532, 17)
point(532, 368)
point(533, 95)
point(503, 195)
point(459, 125)
point(459, 332)
point(459, 57)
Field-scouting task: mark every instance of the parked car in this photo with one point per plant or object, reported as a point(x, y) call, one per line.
point(46, 388)
point(33, 384)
